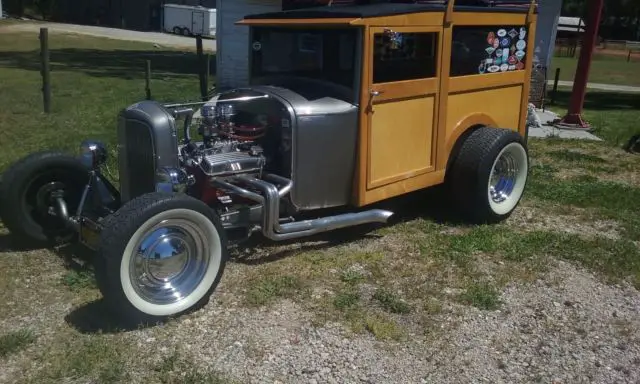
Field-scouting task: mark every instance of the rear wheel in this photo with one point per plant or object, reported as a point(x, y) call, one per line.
point(177, 30)
point(28, 191)
point(161, 255)
point(489, 174)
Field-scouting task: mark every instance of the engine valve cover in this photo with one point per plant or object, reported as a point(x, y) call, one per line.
point(230, 163)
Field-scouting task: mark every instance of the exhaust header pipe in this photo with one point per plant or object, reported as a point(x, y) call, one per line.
point(270, 201)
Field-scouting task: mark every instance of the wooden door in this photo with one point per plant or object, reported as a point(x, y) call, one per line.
point(401, 106)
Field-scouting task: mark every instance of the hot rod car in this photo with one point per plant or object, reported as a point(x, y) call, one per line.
point(347, 105)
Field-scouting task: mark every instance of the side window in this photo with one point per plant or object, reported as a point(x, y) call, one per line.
point(404, 56)
point(488, 49)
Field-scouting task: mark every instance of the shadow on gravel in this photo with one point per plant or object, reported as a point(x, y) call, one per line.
point(95, 317)
point(10, 244)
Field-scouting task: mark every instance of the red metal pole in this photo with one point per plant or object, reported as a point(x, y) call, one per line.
point(574, 119)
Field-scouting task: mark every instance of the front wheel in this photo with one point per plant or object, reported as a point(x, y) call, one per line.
point(161, 255)
point(489, 174)
point(28, 195)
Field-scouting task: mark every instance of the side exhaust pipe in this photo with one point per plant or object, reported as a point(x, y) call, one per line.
point(270, 201)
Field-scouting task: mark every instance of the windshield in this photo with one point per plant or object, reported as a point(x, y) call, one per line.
point(318, 54)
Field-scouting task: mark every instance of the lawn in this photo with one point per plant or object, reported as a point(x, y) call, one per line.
point(92, 79)
point(394, 284)
point(605, 69)
point(613, 115)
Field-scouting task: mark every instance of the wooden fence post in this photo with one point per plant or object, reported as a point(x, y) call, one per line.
point(45, 69)
point(201, 69)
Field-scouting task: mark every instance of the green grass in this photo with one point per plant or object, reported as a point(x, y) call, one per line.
point(13, 342)
point(269, 288)
point(346, 300)
point(79, 280)
point(575, 156)
point(605, 69)
point(382, 328)
point(88, 358)
point(391, 302)
point(481, 295)
point(175, 368)
point(615, 198)
point(351, 276)
point(613, 115)
point(92, 79)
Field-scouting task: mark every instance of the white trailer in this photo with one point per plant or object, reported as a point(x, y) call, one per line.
point(189, 20)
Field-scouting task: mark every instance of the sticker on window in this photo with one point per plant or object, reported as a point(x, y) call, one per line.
point(505, 50)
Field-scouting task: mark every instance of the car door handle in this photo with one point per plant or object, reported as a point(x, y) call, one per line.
point(374, 94)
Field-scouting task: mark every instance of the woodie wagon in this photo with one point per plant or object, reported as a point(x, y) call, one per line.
point(348, 105)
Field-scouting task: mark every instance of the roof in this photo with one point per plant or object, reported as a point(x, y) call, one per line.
point(391, 9)
point(571, 24)
point(570, 21)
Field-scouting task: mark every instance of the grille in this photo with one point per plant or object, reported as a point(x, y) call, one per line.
point(140, 163)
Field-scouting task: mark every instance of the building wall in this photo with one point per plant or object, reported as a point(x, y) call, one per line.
point(548, 16)
point(232, 61)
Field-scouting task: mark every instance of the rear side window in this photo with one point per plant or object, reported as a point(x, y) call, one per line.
point(404, 56)
point(488, 49)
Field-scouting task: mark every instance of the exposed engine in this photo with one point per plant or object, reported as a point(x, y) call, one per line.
point(230, 141)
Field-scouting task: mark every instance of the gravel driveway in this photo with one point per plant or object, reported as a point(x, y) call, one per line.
point(164, 39)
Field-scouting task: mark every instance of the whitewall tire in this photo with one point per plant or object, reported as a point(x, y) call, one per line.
point(488, 174)
point(161, 255)
point(508, 178)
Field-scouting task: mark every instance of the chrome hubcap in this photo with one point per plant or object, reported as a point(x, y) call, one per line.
point(171, 260)
point(504, 176)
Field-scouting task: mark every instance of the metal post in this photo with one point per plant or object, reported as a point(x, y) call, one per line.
point(45, 69)
point(147, 79)
point(573, 118)
point(555, 87)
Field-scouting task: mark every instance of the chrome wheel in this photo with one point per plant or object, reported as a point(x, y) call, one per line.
point(507, 178)
point(170, 261)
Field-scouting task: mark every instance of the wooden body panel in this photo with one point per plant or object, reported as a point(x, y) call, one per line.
point(498, 107)
point(401, 140)
point(407, 132)
point(398, 132)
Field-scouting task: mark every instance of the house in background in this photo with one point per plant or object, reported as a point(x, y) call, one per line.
point(233, 40)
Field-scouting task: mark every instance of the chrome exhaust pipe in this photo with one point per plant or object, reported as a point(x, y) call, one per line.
point(274, 230)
